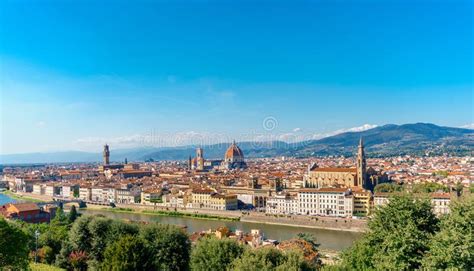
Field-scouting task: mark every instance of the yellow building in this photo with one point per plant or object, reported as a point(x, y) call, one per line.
point(208, 199)
point(224, 202)
point(362, 202)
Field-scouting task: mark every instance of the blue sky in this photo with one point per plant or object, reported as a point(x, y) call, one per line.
point(75, 74)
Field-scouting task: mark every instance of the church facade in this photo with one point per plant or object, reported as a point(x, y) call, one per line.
point(356, 177)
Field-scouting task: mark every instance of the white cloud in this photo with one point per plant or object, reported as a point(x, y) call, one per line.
point(202, 138)
point(468, 126)
point(362, 128)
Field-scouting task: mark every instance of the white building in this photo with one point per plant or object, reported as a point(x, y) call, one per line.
point(68, 190)
point(103, 194)
point(336, 202)
point(440, 203)
point(85, 193)
point(282, 204)
point(38, 189)
point(381, 199)
point(150, 197)
point(52, 190)
point(127, 195)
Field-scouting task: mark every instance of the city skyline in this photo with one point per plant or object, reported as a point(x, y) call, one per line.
point(202, 69)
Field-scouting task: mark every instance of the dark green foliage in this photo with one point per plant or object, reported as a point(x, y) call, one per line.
point(458, 188)
point(453, 246)
point(169, 247)
point(98, 229)
point(118, 229)
point(128, 253)
point(270, 259)
point(13, 246)
point(388, 188)
point(213, 254)
point(62, 259)
point(398, 236)
point(73, 214)
point(79, 235)
point(429, 188)
point(53, 238)
point(294, 261)
point(259, 259)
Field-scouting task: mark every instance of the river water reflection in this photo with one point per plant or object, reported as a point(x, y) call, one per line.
point(336, 240)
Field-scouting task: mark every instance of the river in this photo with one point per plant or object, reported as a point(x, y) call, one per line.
point(4, 199)
point(335, 240)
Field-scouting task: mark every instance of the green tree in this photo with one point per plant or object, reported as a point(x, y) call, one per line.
point(98, 229)
point(258, 259)
point(46, 255)
point(214, 254)
point(13, 246)
point(429, 188)
point(458, 188)
point(60, 218)
point(119, 228)
point(169, 247)
point(398, 236)
point(62, 259)
point(127, 253)
point(79, 235)
point(453, 246)
point(52, 240)
point(73, 214)
point(295, 261)
point(388, 188)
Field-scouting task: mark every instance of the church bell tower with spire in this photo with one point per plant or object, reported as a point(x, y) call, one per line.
point(106, 155)
point(361, 165)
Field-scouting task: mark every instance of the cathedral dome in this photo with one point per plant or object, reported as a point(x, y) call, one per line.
point(234, 153)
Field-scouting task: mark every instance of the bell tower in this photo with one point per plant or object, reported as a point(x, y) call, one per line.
point(106, 155)
point(361, 165)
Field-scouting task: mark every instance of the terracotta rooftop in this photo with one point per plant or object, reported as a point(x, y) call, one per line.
point(23, 207)
point(324, 190)
point(335, 169)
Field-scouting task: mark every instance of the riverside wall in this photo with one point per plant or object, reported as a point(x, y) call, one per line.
point(329, 223)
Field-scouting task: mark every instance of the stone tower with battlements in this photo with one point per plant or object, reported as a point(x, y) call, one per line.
point(361, 165)
point(106, 155)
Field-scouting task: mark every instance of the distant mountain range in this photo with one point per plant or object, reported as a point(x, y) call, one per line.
point(387, 140)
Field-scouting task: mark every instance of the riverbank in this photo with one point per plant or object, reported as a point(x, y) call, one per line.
point(20, 197)
point(329, 239)
point(333, 224)
point(310, 222)
point(166, 213)
point(297, 221)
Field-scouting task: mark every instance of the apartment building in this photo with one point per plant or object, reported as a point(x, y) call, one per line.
point(362, 202)
point(208, 199)
point(85, 193)
point(440, 203)
point(325, 202)
point(282, 204)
